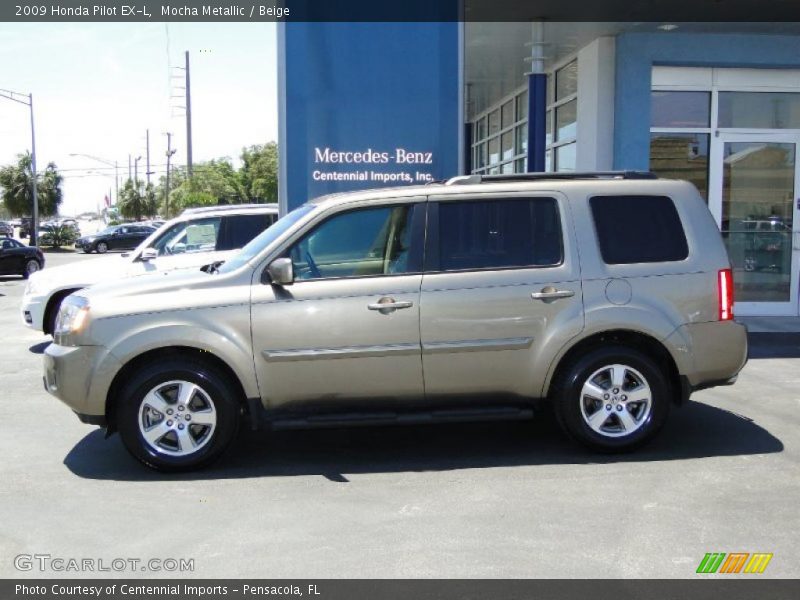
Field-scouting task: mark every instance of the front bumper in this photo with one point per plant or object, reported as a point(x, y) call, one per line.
point(80, 376)
point(32, 311)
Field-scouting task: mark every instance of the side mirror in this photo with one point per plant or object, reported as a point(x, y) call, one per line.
point(148, 254)
point(281, 272)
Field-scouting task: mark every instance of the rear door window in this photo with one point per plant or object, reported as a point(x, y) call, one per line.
point(638, 229)
point(237, 230)
point(496, 234)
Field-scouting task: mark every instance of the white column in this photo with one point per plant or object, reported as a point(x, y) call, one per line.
point(595, 151)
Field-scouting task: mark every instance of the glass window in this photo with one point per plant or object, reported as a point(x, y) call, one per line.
point(238, 230)
point(508, 145)
point(494, 150)
point(681, 156)
point(481, 129)
point(567, 80)
point(199, 235)
point(521, 139)
point(548, 127)
point(508, 114)
point(480, 155)
point(680, 109)
point(494, 122)
point(522, 106)
point(638, 229)
point(519, 165)
point(499, 233)
point(548, 160)
point(507, 168)
point(566, 120)
point(357, 243)
point(759, 110)
point(566, 157)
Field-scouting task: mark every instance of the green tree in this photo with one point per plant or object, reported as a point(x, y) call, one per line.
point(133, 204)
point(15, 183)
point(259, 172)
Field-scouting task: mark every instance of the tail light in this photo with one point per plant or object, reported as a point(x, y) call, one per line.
point(725, 294)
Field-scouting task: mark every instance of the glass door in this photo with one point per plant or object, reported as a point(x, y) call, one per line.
point(754, 196)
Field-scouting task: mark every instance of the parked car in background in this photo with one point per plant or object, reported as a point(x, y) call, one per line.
point(196, 238)
point(6, 229)
point(608, 295)
point(19, 259)
point(116, 237)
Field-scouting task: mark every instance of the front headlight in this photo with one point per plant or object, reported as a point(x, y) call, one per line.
point(72, 316)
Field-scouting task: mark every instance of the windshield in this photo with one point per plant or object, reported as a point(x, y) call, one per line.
point(261, 242)
point(107, 231)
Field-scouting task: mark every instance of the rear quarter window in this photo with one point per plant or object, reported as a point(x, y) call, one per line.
point(638, 229)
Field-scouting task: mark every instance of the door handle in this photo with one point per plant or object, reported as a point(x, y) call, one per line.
point(386, 305)
point(551, 293)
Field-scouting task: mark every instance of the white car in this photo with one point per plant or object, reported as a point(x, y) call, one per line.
point(198, 237)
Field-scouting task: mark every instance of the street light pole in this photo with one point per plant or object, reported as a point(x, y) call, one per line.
point(34, 241)
point(18, 97)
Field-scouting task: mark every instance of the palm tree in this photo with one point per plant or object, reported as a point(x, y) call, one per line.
point(16, 185)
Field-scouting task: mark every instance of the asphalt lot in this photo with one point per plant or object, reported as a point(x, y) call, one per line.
point(487, 500)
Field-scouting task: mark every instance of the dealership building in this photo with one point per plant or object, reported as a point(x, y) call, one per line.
point(717, 104)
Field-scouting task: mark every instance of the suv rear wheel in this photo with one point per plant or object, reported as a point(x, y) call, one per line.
point(177, 415)
point(612, 399)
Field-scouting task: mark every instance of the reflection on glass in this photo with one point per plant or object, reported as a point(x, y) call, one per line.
point(566, 157)
point(494, 121)
point(519, 165)
point(681, 156)
point(508, 114)
point(508, 145)
point(567, 80)
point(548, 119)
point(494, 151)
point(521, 143)
point(680, 109)
point(548, 161)
point(566, 120)
point(759, 110)
point(522, 106)
point(757, 193)
point(507, 168)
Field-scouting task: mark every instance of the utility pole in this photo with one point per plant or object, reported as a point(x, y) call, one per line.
point(149, 172)
point(130, 172)
point(136, 172)
point(169, 153)
point(188, 119)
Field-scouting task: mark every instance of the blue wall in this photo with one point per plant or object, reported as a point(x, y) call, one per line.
point(355, 93)
point(637, 53)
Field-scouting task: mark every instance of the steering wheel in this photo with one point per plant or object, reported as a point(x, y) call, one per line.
point(312, 266)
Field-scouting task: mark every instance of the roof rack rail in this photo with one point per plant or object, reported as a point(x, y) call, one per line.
point(226, 207)
point(513, 177)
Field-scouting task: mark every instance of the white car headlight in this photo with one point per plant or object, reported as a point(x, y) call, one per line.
point(34, 286)
point(72, 316)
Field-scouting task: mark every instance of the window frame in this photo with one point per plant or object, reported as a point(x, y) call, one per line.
point(432, 259)
point(419, 218)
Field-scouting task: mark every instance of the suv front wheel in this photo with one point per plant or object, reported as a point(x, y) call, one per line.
point(612, 399)
point(177, 415)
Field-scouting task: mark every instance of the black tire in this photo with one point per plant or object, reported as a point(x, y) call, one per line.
point(214, 384)
point(572, 406)
point(87, 249)
point(29, 268)
point(101, 247)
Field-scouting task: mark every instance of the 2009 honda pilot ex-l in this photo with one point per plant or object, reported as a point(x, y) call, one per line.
point(609, 295)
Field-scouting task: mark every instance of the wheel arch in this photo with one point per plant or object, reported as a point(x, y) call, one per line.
point(637, 340)
point(55, 299)
point(160, 354)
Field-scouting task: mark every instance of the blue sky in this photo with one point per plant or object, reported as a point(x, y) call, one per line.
point(97, 88)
